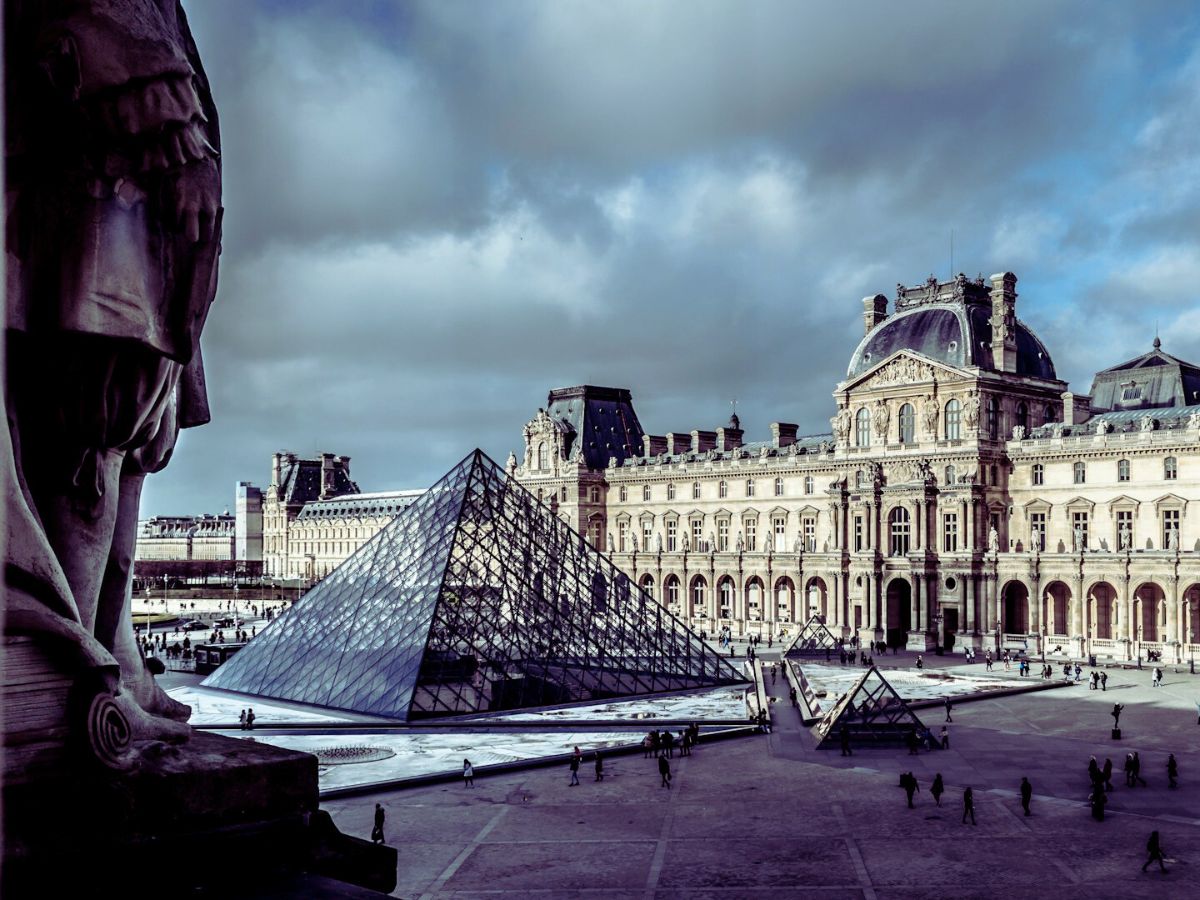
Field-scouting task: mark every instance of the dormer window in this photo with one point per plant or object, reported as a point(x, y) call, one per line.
point(1130, 392)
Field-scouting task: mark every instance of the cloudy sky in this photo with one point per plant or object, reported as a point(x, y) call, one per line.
point(437, 212)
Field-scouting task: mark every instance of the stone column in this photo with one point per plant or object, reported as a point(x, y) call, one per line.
point(970, 625)
point(1173, 632)
point(914, 601)
point(918, 526)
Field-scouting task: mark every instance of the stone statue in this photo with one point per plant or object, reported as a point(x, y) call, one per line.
point(1193, 421)
point(687, 544)
point(511, 465)
point(1018, 432)
point(633, 541)
point(1173, 539)
point(1078, 539)
point(993, 540)
point(798, 547)
point(841, 424)
point(971, 411)
point(113, 234)
point(1035, 540)
point(930, 411)
point(879, 419)
point(1103, 427)
point(1146, 423)
point(658, 542)
point(1123, 536)
point(712, 542)
point(611, 545)
point(740, 545)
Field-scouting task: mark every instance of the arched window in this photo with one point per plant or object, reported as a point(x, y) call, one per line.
point(953, 420)
point(858, 478)
point(723, 489)
point(862, 428)
point(993, 418)
point(1080, 473)
point(726, 599)
point(1122, 470)
point(1023, 415)
point(778, 487)
point(1170, 468)
point(1039, 474)
point(672, 592)
point(808, 484)
point(908, 423)
point(699, 589)
point(542, 460)
point(950, 475)
point(1048, 414)
point(695, 490)
point(898, 525)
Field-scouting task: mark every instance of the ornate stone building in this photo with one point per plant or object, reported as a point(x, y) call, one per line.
point(314, 516)
point(204, 537)
point(964, 496)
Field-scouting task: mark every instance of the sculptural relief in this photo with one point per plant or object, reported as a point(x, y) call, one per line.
point(970, 410)
point(114, 229)
point(879, 419)
point(841, 425)
point(902, 370)
point(930, 410)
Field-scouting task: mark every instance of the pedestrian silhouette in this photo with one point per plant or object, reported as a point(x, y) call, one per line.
point(948, 708)
point(377, 831)
point(1154, 852)
point(1026, 795)
point(600, 767)
point(664, 769)
point(968, 806)
point(1172, 770)
point(937, 788)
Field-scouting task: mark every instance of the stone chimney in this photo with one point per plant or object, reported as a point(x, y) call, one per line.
point(328, 480)
point(1077, 408)
point(703, 441)
point(653, 444)
point(345, 461)
point(1004, 322)
point(276, 469)
point(783, 434)
point(729, 438)
point(874, 311)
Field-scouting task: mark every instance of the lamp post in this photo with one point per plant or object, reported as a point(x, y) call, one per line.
point(998, 624)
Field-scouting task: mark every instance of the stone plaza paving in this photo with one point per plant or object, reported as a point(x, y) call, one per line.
point(769, 816)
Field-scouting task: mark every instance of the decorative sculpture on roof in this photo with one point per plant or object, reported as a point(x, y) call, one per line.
point(1103, 427)
point(1018, 432)
point(511, 465)
point(1146, 423)
point(114, 229)
point(903, 370)
point(1193, 421)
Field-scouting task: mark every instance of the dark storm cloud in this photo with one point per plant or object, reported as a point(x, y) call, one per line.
point(437, 212)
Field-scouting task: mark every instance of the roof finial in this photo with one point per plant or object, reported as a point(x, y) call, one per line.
point(734, 422)
point(1157, 342)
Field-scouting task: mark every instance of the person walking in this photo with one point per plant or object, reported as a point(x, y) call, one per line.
point(377, 831)
point(910, 787)
point(574, 771)
point(1104, 681)
point(1157, 681)
point(1107, 773)
point(1154, 853)
point(937, 788)
point(844, 735)
point(1129, 770)
point(250, 717)
point(945, 738)
point(600, 766)
point(1172, 771)
point(1026, 795)
point(949, 706)
point(648, 744)
point(1137, 769)
point(1078, 672)
point(968, 806)
point(468, 774)
point(664, 770)
point(1096, 800)
point(668, 742)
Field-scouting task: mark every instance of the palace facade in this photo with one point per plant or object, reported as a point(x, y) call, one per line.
point(963, 497)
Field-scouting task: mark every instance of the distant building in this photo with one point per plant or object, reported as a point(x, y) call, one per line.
point(314, 516)
point(204, 537)
point(248, 510)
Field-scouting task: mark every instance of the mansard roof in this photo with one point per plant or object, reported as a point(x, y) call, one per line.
point(1153, 380)
point(600, 420)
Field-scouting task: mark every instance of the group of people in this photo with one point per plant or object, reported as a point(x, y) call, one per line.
point(246, 719)
point(1100, 778)
point(663, 743)
point(908, 781)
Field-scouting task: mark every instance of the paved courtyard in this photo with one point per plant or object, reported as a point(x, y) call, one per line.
point(769, 816)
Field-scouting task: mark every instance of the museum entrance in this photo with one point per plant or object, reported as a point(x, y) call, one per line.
point(899, 612)
point(950, 620)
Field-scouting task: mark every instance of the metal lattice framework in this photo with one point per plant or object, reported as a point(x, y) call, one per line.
point(814, 639)
point(871, 710)
point(474, 599)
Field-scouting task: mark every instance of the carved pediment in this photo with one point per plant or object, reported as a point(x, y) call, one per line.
point(904, 367)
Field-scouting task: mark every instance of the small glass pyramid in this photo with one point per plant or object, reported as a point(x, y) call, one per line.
point(871, 710)
point(474, 599)
point(814, 639)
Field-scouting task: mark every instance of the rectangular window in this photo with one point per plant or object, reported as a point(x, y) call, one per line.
point(778, 487)
point(647, 529)
point(645, 493)
point(1124, 529)
point(624, 493)
point(594, 494)
point(751, 535)
point(1039, 474)
point(672, 535)
point(1079, 529)
point(671, 491)
point(810, 534)
point(1170, 522)
point(858, 533)
point(1122, 470)
point(623, 536)
point(749, 487)
point(723, 535)
point(950, 533)
point(780, 534)
point(1037, 529)
point(697, 534)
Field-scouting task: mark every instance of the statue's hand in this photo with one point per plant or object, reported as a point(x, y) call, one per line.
point(194, 200)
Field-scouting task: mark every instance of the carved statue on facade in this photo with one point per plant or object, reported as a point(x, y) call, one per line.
point(511, 466)
point(970, 410)
point(1126, 539)
point(740, 543)
point(879, 419)
point(712, 542)
point(658, 542)
point(1173, 539)
point(798, 547)
point(764, 452)
point(1146, 423)
point(1018, 432)
point(1035, 540)
point(611, 545)
point(930, 410)
point(1078, 543)
point(841, 424)
point(1103, 427)
point(1193, 421)
point(993, 540)
point(633, 541)
point(113, 234)
point(687, 544)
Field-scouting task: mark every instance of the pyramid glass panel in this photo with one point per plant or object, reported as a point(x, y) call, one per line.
point(475, 599)
point(871, 710)
point(813, 640)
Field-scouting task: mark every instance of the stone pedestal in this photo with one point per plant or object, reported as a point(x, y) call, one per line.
point(921, 641)
point(216, 814)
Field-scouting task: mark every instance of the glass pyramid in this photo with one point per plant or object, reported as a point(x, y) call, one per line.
point(871, 710)
point(474, 599)
point(814, 639)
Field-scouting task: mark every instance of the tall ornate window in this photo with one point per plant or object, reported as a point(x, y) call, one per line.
point(898, 524)
point(778, 487)
point(749, 487)
point(1122, 470)
point(908, 423)
point(1170, 468)
point(808, 484)
point(1080, 470)
point(671, 491)
point(862, 428)
point(953, 420)
point(1039, 474)
point(950, 475)
point(542, 459)
point(645, 493)
point(723, 489)
point(624, 493)
point(993, 418)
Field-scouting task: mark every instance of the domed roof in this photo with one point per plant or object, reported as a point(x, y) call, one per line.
point(954, 333)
